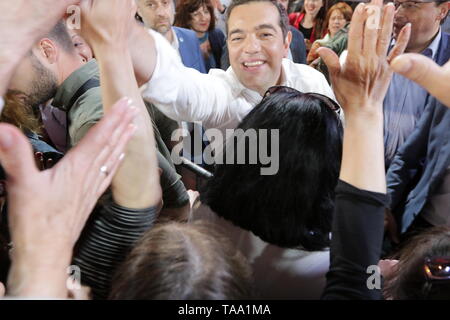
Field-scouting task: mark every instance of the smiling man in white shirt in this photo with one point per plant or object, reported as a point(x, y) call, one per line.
point(258, 42)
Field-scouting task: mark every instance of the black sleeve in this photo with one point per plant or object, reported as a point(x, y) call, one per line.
point(357, 235)
point(105, 242)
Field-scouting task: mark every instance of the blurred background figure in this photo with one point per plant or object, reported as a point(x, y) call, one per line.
point(310, 21)
point(198, 15)
point(338, 18)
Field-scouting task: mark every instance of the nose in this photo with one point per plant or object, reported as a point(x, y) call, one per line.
point(161, 11)
point(252, 45)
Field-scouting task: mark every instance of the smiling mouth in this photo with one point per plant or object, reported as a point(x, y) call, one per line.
point(253, 64)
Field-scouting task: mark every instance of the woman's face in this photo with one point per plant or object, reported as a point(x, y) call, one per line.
point(200, 19)
point(312, 7)
point(337, 22)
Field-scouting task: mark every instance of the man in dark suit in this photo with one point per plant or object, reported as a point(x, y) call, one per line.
point(419, 176)
point(159, 15)
point(405, 100)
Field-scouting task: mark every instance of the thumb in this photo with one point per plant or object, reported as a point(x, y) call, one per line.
point(16, 155)
point(424, 72)
point(331, 60)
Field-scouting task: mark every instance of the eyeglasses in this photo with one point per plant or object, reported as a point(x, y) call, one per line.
point(283, 89)
point(410, 5)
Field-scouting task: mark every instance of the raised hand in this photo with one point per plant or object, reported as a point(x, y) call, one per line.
point(107, 21)
point(48, 209)
point(21, 23)
point(363, 80)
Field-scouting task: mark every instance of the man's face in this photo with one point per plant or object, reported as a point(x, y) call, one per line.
point(424, 18)
point(256, 45)
point(157, 14)
point(38, 83)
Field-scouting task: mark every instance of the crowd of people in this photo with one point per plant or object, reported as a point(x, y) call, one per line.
point(315, 147)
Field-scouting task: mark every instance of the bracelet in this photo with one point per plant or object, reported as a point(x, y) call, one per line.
point(224, 9)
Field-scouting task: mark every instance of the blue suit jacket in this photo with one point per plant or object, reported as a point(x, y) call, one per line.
point(189, 49)
point(422, 160)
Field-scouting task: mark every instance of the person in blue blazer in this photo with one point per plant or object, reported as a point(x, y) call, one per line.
point(159, 15)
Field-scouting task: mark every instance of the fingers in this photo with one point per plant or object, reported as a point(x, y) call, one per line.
point(424, 71)
point(372, 24)
point(108, 146)
point(401, 43)
point(115, 159)
point(355, 34)
point(16, 154)
point(385, 33)
point(331, 60)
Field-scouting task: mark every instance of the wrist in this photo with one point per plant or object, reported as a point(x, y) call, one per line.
point(34, 279)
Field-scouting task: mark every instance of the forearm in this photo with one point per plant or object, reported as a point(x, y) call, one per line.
point(143, 54)
point(129, 182)
point(363, 152)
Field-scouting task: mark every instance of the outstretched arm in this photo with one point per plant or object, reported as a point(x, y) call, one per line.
point(361, 193)
point(136, 184)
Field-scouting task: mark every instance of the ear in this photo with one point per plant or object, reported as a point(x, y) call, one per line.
point(443, 10)
point(48, 50)
point(287, 41)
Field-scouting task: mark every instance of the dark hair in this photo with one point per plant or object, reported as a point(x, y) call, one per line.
point(294, 207)
point(408, 279)
point(343, 8)
point(284, 21)
point(185, 8)
point(319, 21)
point(60, 35)
point(183, 261)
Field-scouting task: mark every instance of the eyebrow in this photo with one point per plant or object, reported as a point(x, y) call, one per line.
point(259, 27)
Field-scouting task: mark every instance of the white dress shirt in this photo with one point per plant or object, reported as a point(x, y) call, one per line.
point(218, 99)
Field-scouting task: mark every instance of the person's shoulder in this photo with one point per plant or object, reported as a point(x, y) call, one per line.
point(185, 33)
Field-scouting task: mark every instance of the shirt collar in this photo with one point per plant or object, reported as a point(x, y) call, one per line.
point(73, 83)
point(433, 47)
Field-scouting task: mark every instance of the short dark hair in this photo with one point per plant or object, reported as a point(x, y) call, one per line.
point(184, 261)
point(408, 280)
point(184, 9)
point(294, 207)
point(60, 35)
point(284, 21)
